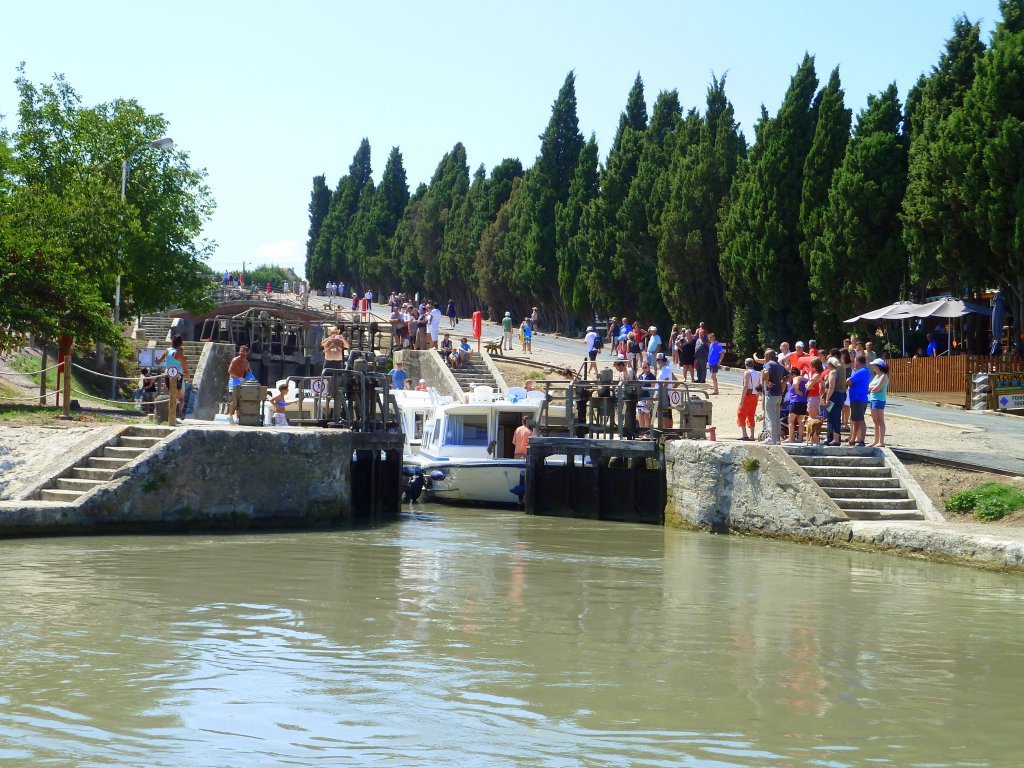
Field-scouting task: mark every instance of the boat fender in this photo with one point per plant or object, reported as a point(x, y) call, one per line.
point(519, 490)
point(438, 474)
point(410, 471)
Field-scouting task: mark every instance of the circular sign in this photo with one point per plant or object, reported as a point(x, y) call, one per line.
point(317, 386)
point(675, 398)
point(172, 372)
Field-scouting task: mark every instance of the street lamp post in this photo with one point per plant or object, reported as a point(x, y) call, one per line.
point(164, 143)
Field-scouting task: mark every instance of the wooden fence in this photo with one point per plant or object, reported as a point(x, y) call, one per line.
point(943, 374)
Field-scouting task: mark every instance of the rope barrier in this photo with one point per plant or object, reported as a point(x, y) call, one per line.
point(34, 398)
point(116, 402)
point(105, 375)
point(29, 373)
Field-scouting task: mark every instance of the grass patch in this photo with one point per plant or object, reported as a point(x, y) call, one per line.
point(750, 464)
point(988, 501)
point(535, 375)
point(26, 415)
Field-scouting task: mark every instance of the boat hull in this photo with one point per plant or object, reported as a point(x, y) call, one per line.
point(488, 483)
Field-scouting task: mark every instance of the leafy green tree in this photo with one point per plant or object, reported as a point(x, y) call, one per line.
point(267, 273)
point(63, 167)
point(938, 238)
point(859, 261)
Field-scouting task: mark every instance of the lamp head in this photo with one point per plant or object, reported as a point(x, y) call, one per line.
point(164, 143)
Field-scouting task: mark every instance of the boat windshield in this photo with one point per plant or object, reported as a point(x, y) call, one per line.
point(468, 430)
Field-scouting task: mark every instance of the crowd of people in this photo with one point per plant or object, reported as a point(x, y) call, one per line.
point(807, 391)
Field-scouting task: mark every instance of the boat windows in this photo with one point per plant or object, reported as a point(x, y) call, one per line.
point(468, 430)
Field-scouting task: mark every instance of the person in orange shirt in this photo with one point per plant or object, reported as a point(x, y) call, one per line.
point(521, 439)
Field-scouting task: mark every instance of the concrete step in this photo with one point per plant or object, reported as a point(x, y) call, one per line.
point(103, 462)
point(120, 452)
point(845, 460)
point(91, 473)
point(141, 431)
point(825, 450)
point(873, 503)
point(143, 443)
point(77, 484)
point(884, 514)
point(861, 491)
point(55, 494)
point(857, 482)
point(834, 471)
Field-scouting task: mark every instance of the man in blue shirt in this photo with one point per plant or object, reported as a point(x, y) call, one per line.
point(933, 346)
point(715, 351)
point(858, 389)
point(398, 376)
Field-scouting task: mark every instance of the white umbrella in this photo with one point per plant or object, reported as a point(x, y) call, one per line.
point(895, 311)
point(948, 308)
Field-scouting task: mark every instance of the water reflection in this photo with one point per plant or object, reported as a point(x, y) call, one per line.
point(491, 638)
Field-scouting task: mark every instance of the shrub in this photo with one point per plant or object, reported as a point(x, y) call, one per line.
point(750, 464)
point(962, 502)
point(988, 501)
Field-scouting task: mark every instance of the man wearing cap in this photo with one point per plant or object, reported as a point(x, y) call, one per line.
point(422, 386)
point(506, 330)
point(591, 341)
point(653, 344)
point(664, 375)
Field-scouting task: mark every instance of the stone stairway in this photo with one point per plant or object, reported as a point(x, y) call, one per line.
point(858, 480)
point(97, 468)
point(474, 372)
point(156, 327)
point(193, 350)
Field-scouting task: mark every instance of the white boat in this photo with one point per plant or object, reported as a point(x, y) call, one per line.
point(466, 455)
point(414, 409)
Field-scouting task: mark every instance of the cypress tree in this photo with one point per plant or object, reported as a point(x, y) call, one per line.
point(319, 202)
point(985, 137)
point(760, 233)
point(831, 135)
point(531, 235)
point(688, 249)
point(859, 262)
point(568, 239)
point(939, 239)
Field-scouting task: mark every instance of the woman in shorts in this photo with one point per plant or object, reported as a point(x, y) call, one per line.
point(797, 404)
point(878, 393)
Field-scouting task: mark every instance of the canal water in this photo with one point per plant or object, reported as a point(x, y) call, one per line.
point(483, 638)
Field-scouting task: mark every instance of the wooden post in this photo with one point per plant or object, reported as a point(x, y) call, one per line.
point(67, 385)
point(42, 377)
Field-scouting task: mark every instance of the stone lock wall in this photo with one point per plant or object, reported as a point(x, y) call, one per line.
point(755, 488)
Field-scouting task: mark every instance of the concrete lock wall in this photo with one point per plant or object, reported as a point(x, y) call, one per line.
point(721, 487)
point(233, 479)
point(211, 379)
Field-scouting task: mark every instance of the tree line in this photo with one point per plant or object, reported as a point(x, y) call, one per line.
point(822, 217)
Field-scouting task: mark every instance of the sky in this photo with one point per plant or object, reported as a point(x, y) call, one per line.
point(267, 95)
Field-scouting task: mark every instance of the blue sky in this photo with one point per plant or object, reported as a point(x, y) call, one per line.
point(267, 95)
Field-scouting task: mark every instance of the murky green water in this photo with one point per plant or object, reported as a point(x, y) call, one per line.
point(493, 639)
